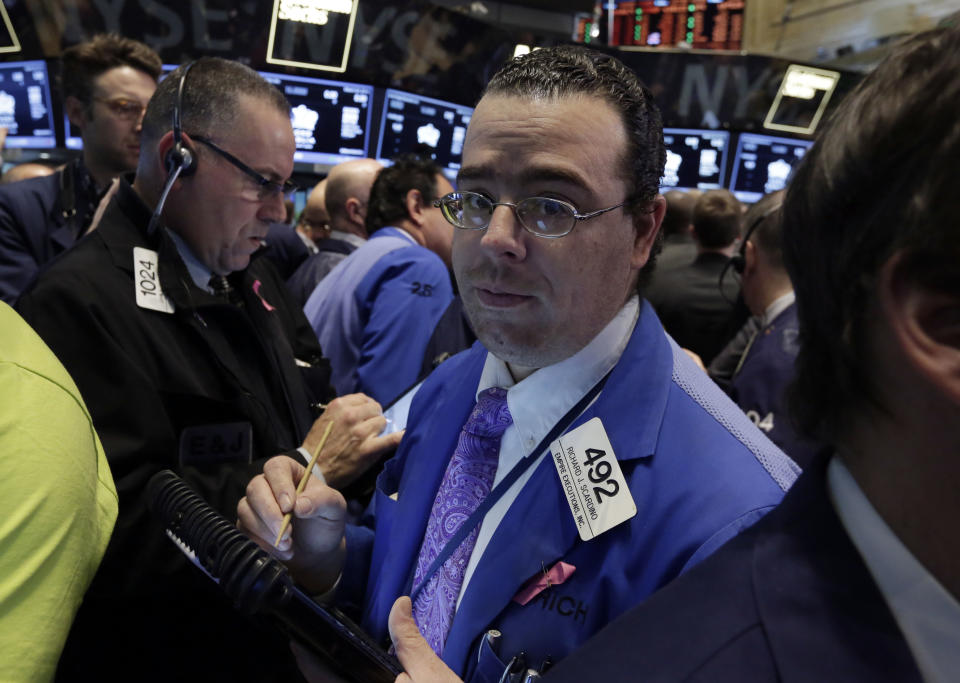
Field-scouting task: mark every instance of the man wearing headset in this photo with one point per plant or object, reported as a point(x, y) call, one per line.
point(765, 368)
point(191, 356)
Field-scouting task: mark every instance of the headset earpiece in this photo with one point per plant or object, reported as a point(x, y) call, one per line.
point(180, 156)
point(180, 161)
point(738, 261)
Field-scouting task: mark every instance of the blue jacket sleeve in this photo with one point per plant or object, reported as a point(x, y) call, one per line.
point(401, 299)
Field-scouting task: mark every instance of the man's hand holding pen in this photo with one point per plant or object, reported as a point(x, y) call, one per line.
point(313, 545)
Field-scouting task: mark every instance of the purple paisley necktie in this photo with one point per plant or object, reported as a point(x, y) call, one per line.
point(465, 484)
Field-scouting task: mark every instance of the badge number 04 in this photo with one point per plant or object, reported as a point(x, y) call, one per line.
point(147, 281)
point(591, 479)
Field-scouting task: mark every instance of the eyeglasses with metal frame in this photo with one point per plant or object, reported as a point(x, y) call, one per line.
point(541, 216)
point(266, 187)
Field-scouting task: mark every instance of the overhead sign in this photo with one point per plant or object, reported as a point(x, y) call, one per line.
point(312, 34)
point(8, 37)
point(802, 99)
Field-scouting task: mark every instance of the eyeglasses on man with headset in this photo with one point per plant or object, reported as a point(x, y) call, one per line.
point(266, 188)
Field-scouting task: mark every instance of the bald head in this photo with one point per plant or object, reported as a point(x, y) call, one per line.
point(347, 193)
point(314, 221)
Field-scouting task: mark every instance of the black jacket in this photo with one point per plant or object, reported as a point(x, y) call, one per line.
point(210, 390)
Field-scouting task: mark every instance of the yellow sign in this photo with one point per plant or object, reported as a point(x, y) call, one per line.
point(312, 34)
point(13, 43)
point(801, 100)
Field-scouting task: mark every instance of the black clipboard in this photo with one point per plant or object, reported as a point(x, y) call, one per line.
point(260, 584)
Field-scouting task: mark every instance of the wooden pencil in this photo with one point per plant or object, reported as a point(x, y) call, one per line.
point(303, 482)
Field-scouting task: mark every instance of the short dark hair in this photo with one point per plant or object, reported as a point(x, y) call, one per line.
point(717, 218)
point(389, 192)
point(82, 63)
point(210, 95)
point(567, 70)
point(763, 219)
point(880, 180)
point(679, 213)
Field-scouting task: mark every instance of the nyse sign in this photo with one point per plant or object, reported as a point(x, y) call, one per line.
point(398, 43)
point(239, 29)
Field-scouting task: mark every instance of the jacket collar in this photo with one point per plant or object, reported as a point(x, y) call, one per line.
point(823, 614)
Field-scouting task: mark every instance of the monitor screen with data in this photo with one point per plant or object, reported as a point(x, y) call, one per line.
point(696, 159)
point(25, 105)
point(763, 164)
point(331, 119)
point(414, 123)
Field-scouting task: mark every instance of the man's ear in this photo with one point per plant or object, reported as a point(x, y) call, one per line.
point(646, 223)
point(415, 207)
point(76, 112)
point(750, 256)
point(162, 150)
point(354, 209)
point(925, 325)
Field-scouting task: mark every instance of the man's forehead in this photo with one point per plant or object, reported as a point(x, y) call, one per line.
point(557, 140)
point(125, 78)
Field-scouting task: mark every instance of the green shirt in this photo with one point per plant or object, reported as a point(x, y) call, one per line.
point(58, 503)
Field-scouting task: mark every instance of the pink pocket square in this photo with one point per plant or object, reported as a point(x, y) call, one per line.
point(554, 576)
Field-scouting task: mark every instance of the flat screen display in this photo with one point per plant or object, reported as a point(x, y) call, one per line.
point(331, 119)
point(25, 105)
point(696, 159)
point(414, 123)
point(763, 164)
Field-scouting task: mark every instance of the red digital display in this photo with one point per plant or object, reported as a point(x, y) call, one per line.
point(701, 24)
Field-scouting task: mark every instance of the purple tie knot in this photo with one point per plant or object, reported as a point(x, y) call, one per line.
point(491, 416)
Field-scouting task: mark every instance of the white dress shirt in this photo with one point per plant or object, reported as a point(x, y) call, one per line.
point(776, 307)
point(540, 401)
point(348, 237)
point(926, 613)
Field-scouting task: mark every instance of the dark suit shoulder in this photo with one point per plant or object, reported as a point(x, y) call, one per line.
point(688, 630)
point(42, 191)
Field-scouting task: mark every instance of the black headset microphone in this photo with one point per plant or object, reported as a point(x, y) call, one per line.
point(180, 161)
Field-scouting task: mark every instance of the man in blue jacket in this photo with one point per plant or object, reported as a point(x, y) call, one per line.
point(575, 460)
point(375, 311)
point(856, 576)
point(765, 369)
point(106, 84)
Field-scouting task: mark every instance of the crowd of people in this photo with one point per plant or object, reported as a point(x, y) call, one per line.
point(607, 391)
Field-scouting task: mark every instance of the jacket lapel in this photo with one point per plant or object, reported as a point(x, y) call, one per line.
point(436, 416)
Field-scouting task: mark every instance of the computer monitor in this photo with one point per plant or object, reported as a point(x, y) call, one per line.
point(331, 119)
point(763, 164)
point(696, 159)
point(71, 138)
point(416, 123)
point(26, 110)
